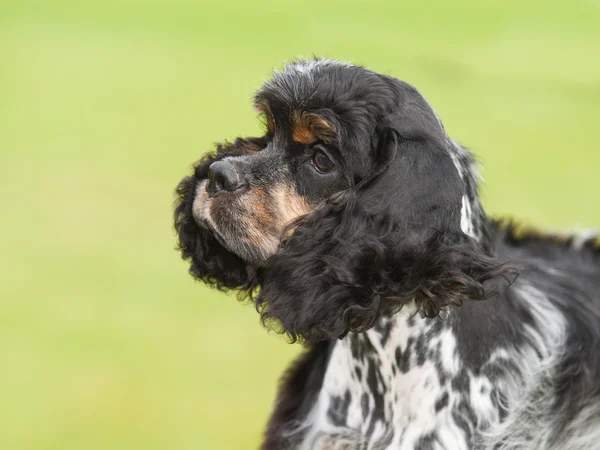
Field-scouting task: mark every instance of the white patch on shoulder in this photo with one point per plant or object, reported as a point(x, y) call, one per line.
point(449, 358)
point(480, 388)
point(338, 379)
point(466, 217)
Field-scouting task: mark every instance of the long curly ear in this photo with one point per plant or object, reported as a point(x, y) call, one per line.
point(209, 261)
point(393, 239)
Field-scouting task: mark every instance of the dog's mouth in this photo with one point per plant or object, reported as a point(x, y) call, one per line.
point(216, 234)
point(239, 222)
point(201, 213)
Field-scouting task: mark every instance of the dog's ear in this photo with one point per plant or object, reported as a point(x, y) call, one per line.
point(209, 261)
point(394, 238)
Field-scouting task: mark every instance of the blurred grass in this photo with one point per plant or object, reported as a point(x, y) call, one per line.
point(105, 341)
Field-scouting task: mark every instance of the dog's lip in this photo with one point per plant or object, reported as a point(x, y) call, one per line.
point(202, 221)
point(220, 240)
point(198, 211)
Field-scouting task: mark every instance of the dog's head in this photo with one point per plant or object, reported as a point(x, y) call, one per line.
point(353, 203)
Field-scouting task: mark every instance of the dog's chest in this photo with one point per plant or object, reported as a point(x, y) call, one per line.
point(398, 386)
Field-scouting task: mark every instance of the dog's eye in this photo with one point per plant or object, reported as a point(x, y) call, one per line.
point(322, 162)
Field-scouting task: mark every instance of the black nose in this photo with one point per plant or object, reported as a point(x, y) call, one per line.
point(223, 176)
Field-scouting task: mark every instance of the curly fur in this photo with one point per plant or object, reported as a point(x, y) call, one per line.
point(350, 263)
point(350, 268)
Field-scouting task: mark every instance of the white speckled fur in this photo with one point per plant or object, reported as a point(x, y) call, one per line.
point(411, 415)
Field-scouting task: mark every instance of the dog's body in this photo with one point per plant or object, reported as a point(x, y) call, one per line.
point(356, 226)
point(518, 372)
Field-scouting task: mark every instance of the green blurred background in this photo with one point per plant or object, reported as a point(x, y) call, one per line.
point(105, 341)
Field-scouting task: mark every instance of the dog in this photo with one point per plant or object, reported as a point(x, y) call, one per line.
point(355, 227)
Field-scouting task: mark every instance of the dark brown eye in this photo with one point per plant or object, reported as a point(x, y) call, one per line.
point(322, 162)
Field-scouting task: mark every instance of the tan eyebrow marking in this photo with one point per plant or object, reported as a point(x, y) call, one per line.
point(309, 127)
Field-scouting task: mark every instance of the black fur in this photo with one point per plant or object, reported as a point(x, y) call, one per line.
point(397, 221)
point(350, 267)
point(393, 236)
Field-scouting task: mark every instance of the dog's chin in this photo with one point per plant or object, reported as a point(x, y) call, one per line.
point(249, 253)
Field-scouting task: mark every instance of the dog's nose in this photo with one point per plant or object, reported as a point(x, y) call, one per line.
point(223, 176)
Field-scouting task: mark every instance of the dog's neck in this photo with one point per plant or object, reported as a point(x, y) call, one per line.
point(405, 360)
point(410, 381)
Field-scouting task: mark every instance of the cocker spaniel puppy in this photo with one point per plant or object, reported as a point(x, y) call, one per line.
point(355, 226)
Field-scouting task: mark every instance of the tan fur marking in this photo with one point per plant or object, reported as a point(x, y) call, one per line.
point(259, 222)
point(308, 128)
point(290, 207)
point(270, 213)
point(262, 215)
point(303, 135)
